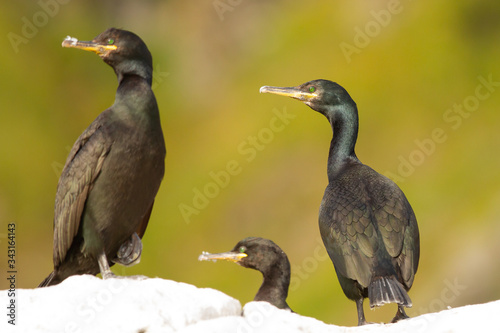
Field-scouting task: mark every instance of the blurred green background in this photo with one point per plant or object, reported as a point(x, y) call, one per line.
point(409, 65)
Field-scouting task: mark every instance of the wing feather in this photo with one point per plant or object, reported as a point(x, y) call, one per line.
point(82, 167)
point(357, 217)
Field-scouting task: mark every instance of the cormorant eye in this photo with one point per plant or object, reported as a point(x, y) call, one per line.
point(312, 89)
point(242, 249)
point(111, 41)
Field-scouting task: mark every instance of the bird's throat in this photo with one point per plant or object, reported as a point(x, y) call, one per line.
point(345, 133)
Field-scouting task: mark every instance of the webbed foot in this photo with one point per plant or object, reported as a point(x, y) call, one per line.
point(129, 252)
point(400, 315)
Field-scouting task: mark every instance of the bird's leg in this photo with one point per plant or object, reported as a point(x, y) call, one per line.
point(129, 253)
point(361, 313)
point(400, 314)
point(106, 271)
point(104, 266)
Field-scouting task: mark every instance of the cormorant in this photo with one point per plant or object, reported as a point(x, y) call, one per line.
point(266, 257)
point(367, 225)
point(108, 185)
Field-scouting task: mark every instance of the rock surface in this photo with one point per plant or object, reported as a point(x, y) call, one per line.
point(89, 304)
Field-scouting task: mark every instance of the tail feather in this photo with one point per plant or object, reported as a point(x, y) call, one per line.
point(387, 289)
point(48, 280)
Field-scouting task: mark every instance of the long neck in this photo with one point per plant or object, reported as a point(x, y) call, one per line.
point(274, 288)
point(135, 91)
point(344, 124)
point(134, 68)
point(135, 102)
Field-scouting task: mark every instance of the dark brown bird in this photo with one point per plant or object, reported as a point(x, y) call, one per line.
point(367, 225)
point(108, 185)
point(266, 257)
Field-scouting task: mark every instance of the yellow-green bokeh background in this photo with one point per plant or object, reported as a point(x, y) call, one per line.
point(208, 73)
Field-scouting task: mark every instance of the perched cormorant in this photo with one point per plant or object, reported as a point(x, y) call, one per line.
point(266, 257)
point(108, 185)
point(367, 225)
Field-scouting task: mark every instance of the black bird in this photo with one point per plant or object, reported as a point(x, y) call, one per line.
point(367, 225)
point(108, 185)
point(266, 257)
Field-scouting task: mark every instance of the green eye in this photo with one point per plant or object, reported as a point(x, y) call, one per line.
point(312, 89)
point(242, 249)
point(111, 41)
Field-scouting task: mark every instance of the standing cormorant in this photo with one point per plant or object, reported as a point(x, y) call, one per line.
point(367, 225)
point(266, 257)
point(108, 185)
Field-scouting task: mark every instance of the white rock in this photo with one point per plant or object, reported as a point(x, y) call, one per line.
point(89, 304)
point(264, 318)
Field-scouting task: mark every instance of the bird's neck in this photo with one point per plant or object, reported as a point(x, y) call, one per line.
point(345, 132)
point(129, 69)
point(134, 89)
point(135, 101)
point(274, 288)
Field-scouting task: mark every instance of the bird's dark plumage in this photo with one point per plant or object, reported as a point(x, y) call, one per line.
point(366, 223)
point(107, 188)
point(268, 258)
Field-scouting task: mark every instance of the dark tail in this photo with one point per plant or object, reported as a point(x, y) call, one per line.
point(387, 289)
point(48, 280)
